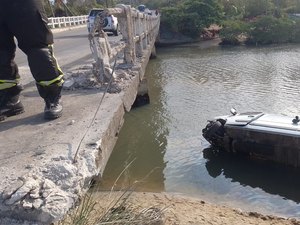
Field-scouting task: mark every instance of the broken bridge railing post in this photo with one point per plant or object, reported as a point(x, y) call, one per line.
point(127, 30)
point(138, 30)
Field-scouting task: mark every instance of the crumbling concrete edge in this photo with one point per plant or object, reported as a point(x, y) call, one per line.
point(45, 195)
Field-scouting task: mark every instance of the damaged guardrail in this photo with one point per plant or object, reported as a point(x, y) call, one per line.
point(139, 31)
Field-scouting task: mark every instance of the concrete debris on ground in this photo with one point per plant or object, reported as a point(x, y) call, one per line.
point(83, 78)
point(40, 178)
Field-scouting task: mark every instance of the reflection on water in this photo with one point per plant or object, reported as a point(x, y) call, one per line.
point(142, 141)
point(143, 147)
point(270, 177)
point(190, 84)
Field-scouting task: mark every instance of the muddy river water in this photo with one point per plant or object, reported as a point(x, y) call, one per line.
point(161, 143)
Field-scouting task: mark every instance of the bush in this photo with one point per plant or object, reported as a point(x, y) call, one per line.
point(192, 16)
point(255, 8)
point(296, 32)
point(170, 17)
point(270, 30)
point(232, 31)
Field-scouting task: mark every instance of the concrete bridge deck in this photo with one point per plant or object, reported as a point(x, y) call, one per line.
point(39, 179)
point(47, 165)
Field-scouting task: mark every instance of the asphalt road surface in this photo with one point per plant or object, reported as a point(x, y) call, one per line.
point(71, 48)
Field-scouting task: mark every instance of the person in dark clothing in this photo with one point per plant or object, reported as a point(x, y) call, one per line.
point(26, 20)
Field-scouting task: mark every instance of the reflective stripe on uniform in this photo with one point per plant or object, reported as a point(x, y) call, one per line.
point(51, 47)
point(58, 80)
point(4, 84)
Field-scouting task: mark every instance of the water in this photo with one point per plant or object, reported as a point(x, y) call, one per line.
point(189, 84)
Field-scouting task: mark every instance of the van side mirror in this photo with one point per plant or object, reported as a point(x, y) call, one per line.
point(233, 111)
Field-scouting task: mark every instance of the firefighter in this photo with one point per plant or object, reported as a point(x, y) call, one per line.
point(26, 20)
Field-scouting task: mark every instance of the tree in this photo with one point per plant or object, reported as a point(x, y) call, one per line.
point(192, 16)
point(255, 8)
point(233, 31)
point(48, 8)
point(82, 7)
point(233, 8)
point(270, 30)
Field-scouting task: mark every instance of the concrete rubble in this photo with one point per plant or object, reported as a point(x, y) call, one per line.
point(47, 165)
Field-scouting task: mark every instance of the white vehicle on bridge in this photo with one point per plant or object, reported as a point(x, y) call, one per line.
point(110, 22)
point(144, 9)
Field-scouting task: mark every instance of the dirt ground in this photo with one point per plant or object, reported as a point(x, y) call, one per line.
point(178, 210)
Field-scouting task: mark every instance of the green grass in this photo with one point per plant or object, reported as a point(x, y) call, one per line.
point(112, 208)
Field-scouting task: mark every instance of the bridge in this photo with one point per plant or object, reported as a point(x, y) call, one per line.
point(46, 166)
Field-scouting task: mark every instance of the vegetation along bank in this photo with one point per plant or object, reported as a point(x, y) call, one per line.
point(255, 22)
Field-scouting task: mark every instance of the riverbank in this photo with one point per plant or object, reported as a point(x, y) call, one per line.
point(182, 159)
point(169, 38)
point(182, 210)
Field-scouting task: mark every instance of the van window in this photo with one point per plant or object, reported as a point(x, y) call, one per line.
point(95, 12)
point(141, 8)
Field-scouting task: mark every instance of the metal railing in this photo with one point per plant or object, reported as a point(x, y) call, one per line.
point(57, 22)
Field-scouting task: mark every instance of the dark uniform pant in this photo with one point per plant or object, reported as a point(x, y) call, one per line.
point(27, 22)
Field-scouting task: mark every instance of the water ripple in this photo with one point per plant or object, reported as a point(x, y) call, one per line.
point(205, 84)
point(190, 85)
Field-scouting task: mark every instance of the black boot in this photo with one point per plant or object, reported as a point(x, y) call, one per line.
point(10, 104)
point(51, 95)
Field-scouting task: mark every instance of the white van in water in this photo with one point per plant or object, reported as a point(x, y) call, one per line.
point(110, 22)
point(257, 135)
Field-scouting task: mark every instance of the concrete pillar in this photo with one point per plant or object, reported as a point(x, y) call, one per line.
point(142, 97)
point(126, 26)
point(153, 53)
point(145, 42)
point(139, 31)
